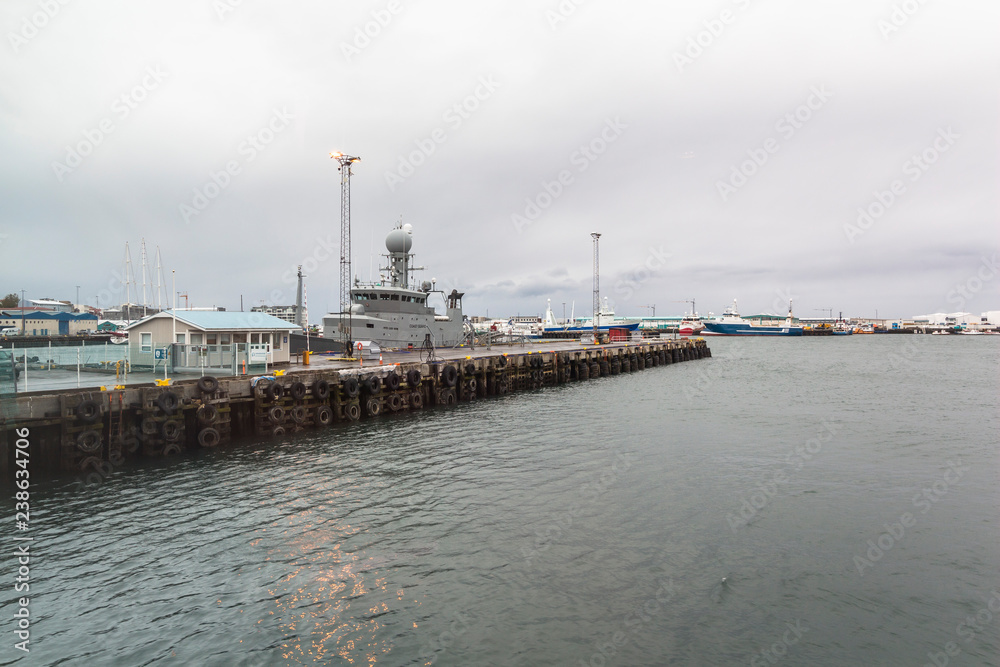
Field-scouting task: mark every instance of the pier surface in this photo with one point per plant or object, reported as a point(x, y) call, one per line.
point(85, 429)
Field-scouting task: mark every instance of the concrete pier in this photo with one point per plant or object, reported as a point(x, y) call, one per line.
point(82, 429)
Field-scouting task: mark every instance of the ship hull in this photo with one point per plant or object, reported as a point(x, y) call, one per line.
point(395, 330)
point(734, 329)
point(629, 326)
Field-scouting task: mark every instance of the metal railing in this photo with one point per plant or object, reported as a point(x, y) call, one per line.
point(41, 362)
point(229, 359)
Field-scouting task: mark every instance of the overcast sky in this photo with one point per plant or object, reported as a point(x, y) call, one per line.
point(722, 149)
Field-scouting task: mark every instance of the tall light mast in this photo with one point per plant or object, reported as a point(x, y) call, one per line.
point(345, 243)
point(299, 319)
point(597, 283)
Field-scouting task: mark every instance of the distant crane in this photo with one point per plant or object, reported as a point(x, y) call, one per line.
point(691, 301)
point(652, 308)
point(825, 310)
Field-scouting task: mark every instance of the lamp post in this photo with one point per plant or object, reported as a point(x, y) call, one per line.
point(345, 162)
point(597, 285)
point(173, 311)
point(23, 329)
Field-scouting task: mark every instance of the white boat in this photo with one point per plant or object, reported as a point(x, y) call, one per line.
point(528, 327)
point(690, 326)
point(606, 321)
point(395, 312)
point(842, 329)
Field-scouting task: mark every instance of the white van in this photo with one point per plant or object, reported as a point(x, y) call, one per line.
point(8, 331)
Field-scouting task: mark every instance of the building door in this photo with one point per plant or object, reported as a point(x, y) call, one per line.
point(64, 328)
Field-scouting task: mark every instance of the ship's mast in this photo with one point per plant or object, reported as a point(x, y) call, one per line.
point(398, 243)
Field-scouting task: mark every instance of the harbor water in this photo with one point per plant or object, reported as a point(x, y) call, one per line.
point(794, 501)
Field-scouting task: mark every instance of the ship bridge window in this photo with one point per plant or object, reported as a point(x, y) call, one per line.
point(394, 297)
point(384, 297)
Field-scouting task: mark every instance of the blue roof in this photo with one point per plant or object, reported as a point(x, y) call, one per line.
point(226, 321)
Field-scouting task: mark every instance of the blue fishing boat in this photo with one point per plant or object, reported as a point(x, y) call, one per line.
point(731, 324)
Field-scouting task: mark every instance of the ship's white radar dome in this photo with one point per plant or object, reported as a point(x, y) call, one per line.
point(398, 240)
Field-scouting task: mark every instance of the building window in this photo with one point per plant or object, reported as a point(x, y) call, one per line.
point(211, 339)
point(146, 342)
point(277, 341)
point(196, 339)
point(224, 339)
point(180, 338)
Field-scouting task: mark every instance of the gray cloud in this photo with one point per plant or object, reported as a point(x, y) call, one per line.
point(557, 83)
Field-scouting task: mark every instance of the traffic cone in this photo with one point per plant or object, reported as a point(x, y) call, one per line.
point(379, 358)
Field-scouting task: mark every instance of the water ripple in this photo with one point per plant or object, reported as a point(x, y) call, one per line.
point(544, 528)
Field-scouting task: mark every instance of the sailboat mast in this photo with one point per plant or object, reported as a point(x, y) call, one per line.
point(128, 282)
point(159, 278)
point(142, 254)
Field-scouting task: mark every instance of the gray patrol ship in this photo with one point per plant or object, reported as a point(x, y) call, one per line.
point(394, 314)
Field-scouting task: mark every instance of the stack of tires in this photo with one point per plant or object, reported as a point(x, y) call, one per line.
point(88, 442)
